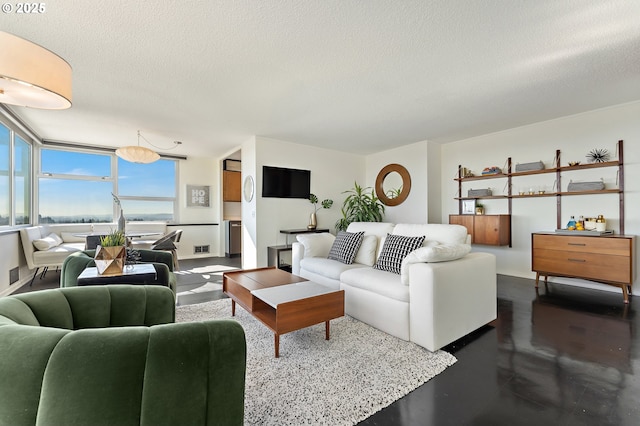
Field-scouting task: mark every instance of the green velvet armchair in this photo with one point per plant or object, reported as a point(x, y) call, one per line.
point(162, 261)
point(111, 355)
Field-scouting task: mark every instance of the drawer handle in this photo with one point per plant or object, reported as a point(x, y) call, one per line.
point(577, 244)
point(577, 260)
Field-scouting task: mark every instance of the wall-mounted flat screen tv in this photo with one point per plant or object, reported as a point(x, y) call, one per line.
point(278, 182)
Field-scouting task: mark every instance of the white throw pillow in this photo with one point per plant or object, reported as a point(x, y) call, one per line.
point(367, 253)
point(433, 254)
point(316, 245)
point(50, 241)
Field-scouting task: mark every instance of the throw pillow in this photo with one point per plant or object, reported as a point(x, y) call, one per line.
point(316, 245)
point(346, 246)
point(367, 253)
point(47, 242)
point(395, 249)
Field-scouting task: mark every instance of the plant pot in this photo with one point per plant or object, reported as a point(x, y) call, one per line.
point(313, 222)
point(110, 260)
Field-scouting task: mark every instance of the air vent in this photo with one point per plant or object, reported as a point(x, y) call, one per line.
point(200, 249)
point(14, 275)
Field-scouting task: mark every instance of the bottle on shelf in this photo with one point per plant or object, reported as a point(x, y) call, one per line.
point(601, 224)
point(571, 226)
point(580, 224)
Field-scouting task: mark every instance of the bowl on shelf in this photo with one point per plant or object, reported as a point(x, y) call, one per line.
point(574, 163)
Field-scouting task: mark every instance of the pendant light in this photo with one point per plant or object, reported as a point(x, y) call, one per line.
point(32, 76)
point(141, 154)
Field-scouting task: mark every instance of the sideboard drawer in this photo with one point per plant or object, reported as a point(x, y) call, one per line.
point(600, 267)
point(613, 245)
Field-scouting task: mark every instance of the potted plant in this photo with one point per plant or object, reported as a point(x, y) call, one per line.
point(325, 204)
point(111, 253)
point(361, 205)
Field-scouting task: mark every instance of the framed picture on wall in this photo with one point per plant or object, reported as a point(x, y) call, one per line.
point(468, 206)
point(197, 196)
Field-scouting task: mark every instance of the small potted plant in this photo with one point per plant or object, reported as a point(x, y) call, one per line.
point(111, 253)
point(325, 204)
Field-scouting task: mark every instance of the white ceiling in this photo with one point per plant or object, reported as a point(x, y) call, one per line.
point(354, 75)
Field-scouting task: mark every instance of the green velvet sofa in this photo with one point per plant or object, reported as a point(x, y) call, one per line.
point(111, 355)
point(162, 261)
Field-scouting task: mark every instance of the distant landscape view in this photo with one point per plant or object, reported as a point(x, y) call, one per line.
point(166, 217)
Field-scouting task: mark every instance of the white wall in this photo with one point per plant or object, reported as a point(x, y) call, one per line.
point(574, 136)
point(332, 172)
point(197, 221)
point(249, 215)
point(414, 158)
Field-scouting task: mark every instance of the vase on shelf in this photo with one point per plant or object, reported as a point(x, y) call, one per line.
point(313, 222)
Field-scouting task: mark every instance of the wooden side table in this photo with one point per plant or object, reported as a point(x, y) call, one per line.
point(274, 253)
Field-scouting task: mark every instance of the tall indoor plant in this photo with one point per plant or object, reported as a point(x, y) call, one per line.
point(361, 205)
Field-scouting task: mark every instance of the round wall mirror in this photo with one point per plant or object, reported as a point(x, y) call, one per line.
point(393, 184)
point(248, 188)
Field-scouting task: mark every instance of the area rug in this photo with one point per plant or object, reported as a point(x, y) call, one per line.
point(340, 381)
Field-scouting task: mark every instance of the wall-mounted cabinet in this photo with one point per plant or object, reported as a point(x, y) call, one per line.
point(559, 171)
point(231, 186)
point(493, 230)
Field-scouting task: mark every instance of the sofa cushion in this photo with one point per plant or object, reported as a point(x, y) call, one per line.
point(345, 246)
point(50, 241)
point(368, 249)
point(327, 267)
point(383, 283)
point(316, 245)
point(395, 249)
point(442, 233)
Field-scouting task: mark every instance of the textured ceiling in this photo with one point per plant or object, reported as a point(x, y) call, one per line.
point(360, 76)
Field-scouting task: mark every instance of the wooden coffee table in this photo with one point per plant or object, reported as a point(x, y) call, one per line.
point(282, 301)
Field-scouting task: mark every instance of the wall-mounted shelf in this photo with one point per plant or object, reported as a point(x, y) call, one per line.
point(558, 170)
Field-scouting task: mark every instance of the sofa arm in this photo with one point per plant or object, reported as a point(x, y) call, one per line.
point(451, 299)
point(297, 254)
point(131, 375)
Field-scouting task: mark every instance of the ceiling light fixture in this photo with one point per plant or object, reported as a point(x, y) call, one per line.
point(32, 76)
point(140, 154)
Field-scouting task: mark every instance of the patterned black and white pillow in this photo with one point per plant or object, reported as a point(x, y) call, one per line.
point(345, 246)
point(394, 250)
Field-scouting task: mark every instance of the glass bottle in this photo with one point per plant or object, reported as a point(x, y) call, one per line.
point(572, 224)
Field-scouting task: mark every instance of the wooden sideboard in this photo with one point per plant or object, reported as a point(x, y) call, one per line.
point(606, 259)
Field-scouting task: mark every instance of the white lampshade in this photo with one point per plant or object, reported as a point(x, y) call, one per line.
point(32, 76)
point(137, 154)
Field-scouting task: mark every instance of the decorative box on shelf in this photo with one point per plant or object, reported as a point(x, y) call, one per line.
point(527, 167)
point(479, 192)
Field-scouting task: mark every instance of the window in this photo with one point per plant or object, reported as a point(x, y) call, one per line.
point(15, 178)
point(147, 191)
point(76, 187)
point(22, 180)
point(5, 182)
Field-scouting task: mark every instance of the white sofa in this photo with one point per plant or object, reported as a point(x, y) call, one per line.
point(431, 303)
point(41, 250)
